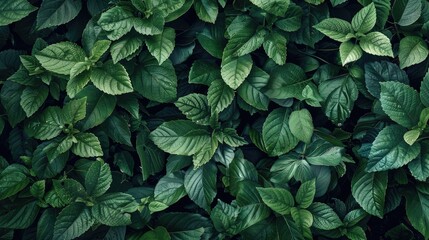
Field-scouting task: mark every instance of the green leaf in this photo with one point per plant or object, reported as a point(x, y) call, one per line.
point(406, 12)
point(305, 194)
point(195, 107)
point(369, 190)
point(205, 154)
point(291, 21)
point(365, 19)
point(114, 209)
point(111, 78)
point(220, 96)
point(204, 72)
point(152, 25)
point(231, 138)
point(100, 47)
point(417, 205)
point(117, 21)
point(73, 221)
point(21, 217)
point(207, 10)
point(390, 151)
point(276, 133)
point(45, 225)
point(275, 7)
point(151, 158)
point(77, 83)
point(275, 47)
point(401, 103)
point(87, 145)
point(235, 69)
point(212, 38)
point(61, 57)
point(356, 232)
point(287, 81)
point(304, 219)
point(349, 52)
point(33, 98)
point(118, 129)
point(377, 72)
point(411, 136)
point(155, 82)
point(10, 96)
point(170, 188)
point(14, 10)
point(419, 167)
point(75, 110)
point(58, 147)
point(12, 180)
point(161, 46)
point(180, 137)
point(278, 199)
point(56, 12)
point(323, 153)
point(301, 125)
point(251, 89)
point(98, 179)
point(376, 43)
point(335, 28)
point(125, 47)
point(38, 189)
point(324, 217)
point(412, 50)
point(200, 184)
point(47, 125)
point(424, 90)
point(159, 233)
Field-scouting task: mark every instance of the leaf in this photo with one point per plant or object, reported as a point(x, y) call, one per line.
point(276, 133)
point(60, 57)
point(364, 20)
point(411, 136)
point(304, 219)
point(231, 138)
point(33, 98)
point(376, 43)
point(204, 72)
point(56, 12)
point(161, 46)
point(424, 90)
point(73, 221)
point(180, 137)
point(98, 179)
point(75, 110)
point(390, 151)
point(14, 10)
point(45, 225)
point(356, 232)
point(207, 10)
point(305, 194)
point(301, 125)
point(275, 7)
point(47, 125)
point(278, 199)
point(170, 188)
point(251, 89)
point(349, 52)
point(205, 154)
point(87, 145)
point(113, 209)
point(100, 47)
point(412, 50)
point(118, 21)
point(335, 28)
point(220, 96)
point(152, 25)
point(200, 184)
point(323, 153)
point(406, 12)
point(401, 103)
point(77, 83)
point(417, 205)
point(377, 72)
point(419, 167)
point(125, 47)
point(235, 69)
point(21, 217)
point(275, 47)
point(13, 179)
point(151, 158)
point(369, 190)
point(111, 78)
point(118, 129)
point(195, 107)
point(291, 21)
point(324, 217)
point(155, 82)
point(158, 233)
point(10, 96)
point(212, 38)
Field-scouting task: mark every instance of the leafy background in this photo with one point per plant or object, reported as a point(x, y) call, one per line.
point(214, 119)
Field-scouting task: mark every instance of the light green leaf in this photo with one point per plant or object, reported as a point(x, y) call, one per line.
point(417, 207)
point(87, 145)
point(47, 125)
point(111, 78)
point(301, 125)
point(195, 107)
point(324, 217)
point(369, 190)
point(114, 209)
point(411, 136)
point(206, 10)
point(304, 219)
point(118, 21)
point(412, 50)
point(100, 47)
point(276, 133)
point(335, 28)
point(61, 57)
point(349, 52)
point(305, 194)
point(125, 47)
point(73, 221)
point(279, 200)
point(77, 83)
point(323, 153)
point(161, 45)
point(56, 12)
point(220, 96)
point(275, 47)
point(376, 43)
point(365, 19)
point(406, 12)
point(235, 69)
point(180, 137)
point(14, 10)
point(13, 179)
point(251, 44)
point(251, 89)
point(98, 179)
point(401, 103)
point(419, 167)
point(275, 7)
point(33, 98)
point(200, 184)
point(205, 154)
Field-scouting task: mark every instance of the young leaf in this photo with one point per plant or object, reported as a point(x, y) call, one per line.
point(200, 184)
point(219, 95)
point(56, 12)
point(335, 28)
point(77, 83)
point(111, 78)
point(301, 125)
point(349, 52)
point(412, 50)
point(376, 43)
point(365, 19)
point(195, 107)
point(14, 10)
point(278, 199)
point(73, 221)
point(87, 145)
point(411, 136)
point(161, 46)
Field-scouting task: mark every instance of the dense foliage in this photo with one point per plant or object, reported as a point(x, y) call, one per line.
point(214, 119)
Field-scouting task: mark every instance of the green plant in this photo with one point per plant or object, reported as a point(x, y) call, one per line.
point(214, 119)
